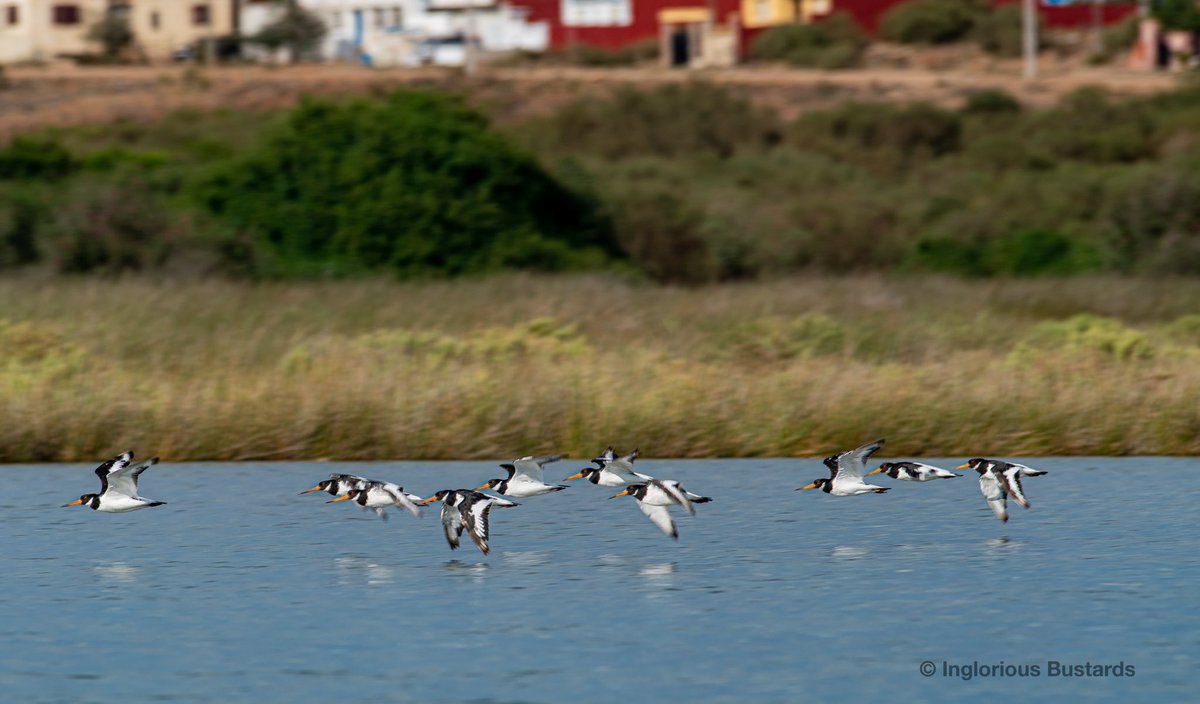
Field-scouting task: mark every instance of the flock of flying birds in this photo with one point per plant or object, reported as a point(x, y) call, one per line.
point(468, 509)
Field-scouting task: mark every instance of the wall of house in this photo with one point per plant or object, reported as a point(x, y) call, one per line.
point(868, 13)
point(36, 35)
point(163, 26)
point(612, 24)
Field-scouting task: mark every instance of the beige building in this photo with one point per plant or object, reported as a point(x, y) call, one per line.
point(42, 30)
point(161, 27)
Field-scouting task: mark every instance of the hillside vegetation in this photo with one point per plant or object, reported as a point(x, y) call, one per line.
point(680, 182)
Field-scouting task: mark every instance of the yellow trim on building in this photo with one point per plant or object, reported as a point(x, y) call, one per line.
point(683, 15)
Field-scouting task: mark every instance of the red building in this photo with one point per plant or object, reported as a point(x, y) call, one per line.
point(870, 12)
point(614, 24)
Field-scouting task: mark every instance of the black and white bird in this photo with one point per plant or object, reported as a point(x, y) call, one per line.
point(656, 496)
point(464, 509)
point(524, 478)
point(913, 471)
point(380, 495)
point(611, 470)
point(999, 480)
point(846, 470)
point(339, 484)
point(118, 486)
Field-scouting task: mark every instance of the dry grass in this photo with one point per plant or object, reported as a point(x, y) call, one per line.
point(515, 364)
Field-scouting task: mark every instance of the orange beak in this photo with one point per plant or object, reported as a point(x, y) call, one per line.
point(806, 488)
point(623, 493)
point(964, 466)
point(574, 476)
point(76, 502)
point(485, 486)
point(340, 498)
point(309, 491)
point(426, 501)
point(875, 472)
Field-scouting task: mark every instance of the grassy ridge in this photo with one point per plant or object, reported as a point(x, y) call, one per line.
point(515, 364)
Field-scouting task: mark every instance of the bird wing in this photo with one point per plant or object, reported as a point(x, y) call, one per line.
point(475, 515)
point(605, 457)
point(990, 487)
point(531, 467)
point(452, 524)
point(401, 499)
point(853, 464)
point(109, 466)
point(1010, 478)
point(676, 492)
point(624, 464)
point(123, 479)
point(661, 517)
point(1027, 471)
point(931, 471)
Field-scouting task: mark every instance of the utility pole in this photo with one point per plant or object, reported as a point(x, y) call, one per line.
point(1097, 28)
point(1029, 36)
point(470, 59)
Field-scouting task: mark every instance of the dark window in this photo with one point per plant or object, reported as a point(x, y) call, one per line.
point(155, 21)
point(12, 15)
point(66, 14)
point(200, 14)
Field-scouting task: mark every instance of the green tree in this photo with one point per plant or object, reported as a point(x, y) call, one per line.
point(297, 30)
point(414, 182)
point(112, 33)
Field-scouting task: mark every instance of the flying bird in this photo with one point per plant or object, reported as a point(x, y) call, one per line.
point(611, 470)
point(118, 486)
point(913, 471)
point(524, 478)
point(380, 495)
point(846, 473)
point(999, 480)
point(655, 497)
point(339, 484)
point(464, 509)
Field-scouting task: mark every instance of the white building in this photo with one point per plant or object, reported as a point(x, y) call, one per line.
point(39, 30)
point(408, 32)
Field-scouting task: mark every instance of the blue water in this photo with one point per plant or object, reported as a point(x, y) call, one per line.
point(240, 590)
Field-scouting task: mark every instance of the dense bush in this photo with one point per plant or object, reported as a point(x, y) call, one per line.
point(929, 21)
point(1000, 31)
point(836, 42)
point(881, 133)
point(689, 119)
point(32, 158)
point(414, 182)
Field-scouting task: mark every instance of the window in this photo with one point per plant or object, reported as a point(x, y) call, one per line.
point(155, 20)
point(12, 15)
point(335, 19)
point(397, 16)
point(379, 17)
point(65, 14)
point(200, 15)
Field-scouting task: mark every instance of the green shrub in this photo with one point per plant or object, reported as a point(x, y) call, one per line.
point(897, 134)
point(775, 339)
point(1086, 334)
point(660, 231)
point(991, 101)
point(414, 182)
point(929, 21)
point(1026, 253)
point(689, 119)
point(21, 215)
point(1000, 31)
point(836, 42)
point(630, 55)
point(33, 158)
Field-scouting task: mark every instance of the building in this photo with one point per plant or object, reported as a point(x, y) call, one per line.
point(163, 27)
point(869, 13)
point(408, 32)
point(43, 30)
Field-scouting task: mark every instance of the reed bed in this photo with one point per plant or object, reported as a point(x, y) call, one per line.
point(516, 364)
